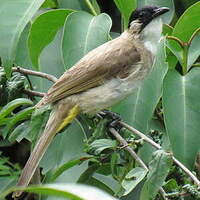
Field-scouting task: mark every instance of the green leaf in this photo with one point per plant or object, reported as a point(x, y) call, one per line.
point(100, 145)
point(167, 18)
point(167, 30)
point(54, 157)
point(126, 8)
point(194, 50)
point(158, 171)
point(133, 178)
point(69, 191)
point(49, 4)
point(73, 4)
point(6, 183)
point(22, 58)
point(6, 110)
point(67, 166)
point(111, 184)
point(37, 123)
point(88, 173)
point(51, 61)
point(43, 30)
point(19, 132)
point(101, 185)
point(192, 16)
point(182, 114)
point(82, 33)
point(14, 17)
point(114, 164)
point(172, 185)
point(20, 116)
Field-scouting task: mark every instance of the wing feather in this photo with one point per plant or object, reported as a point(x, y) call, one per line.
point(111, 59)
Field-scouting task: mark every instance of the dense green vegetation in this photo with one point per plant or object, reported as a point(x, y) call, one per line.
point(51, 36)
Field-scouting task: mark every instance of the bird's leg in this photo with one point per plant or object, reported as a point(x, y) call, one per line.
point(113, 119)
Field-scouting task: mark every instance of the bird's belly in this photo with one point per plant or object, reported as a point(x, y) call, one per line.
point(104, 96)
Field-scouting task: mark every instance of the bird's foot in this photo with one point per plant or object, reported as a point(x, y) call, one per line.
point(113, 119)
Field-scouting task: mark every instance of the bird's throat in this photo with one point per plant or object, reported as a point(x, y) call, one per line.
point(151, 35)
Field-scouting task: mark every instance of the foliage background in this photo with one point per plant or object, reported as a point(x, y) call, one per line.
point(50, 36)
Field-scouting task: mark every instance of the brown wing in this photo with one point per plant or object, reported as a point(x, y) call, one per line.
point(111, 59)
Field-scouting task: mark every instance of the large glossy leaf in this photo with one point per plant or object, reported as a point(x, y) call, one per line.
point(55, 157)
point(158, 171)
point(189, 22)
point(66, 166)
point(14, 17)
point(22, 58)
point(51, 62)
point(126, 8)
point(181, 102)
point(167, 18)
point(138, 108)
point(82, 33)
point(43, 30)
point(73, 4)
point(194, 50)
point(68, 191)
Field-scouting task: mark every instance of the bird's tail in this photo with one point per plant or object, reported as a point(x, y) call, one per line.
point(61, 116)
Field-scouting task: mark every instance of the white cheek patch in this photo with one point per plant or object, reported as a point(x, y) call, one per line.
point(152, 34)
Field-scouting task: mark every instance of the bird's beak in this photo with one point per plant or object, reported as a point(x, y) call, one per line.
point(160, 11)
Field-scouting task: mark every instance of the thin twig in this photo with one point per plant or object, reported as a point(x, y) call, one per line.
point(33, 93)
point(163, 193)
point(128, 148)
point(193, 35)
point(181, 44)
point(133, 154)
point(35, 73)
point(143, 136)
point(157, 146)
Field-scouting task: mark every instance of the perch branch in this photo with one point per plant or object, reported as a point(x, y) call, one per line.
point(157, 146)
point(128, 148)
point(134, 155)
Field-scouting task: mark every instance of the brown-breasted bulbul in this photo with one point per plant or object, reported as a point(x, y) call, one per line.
point(100, 79)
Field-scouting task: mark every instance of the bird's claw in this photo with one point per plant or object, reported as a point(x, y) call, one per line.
point(113, 119)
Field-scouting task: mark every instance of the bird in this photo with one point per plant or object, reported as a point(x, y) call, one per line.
point(103, 77)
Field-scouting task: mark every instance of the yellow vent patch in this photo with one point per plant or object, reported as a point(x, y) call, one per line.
point(72, 114)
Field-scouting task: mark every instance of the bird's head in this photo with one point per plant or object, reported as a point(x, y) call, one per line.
point(145, 15)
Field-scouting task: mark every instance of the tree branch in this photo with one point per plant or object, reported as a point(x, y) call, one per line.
point(157, 146)
point(33, 93)
point(128, 148)
point(35, 73)
point(134, 155)
point(163, 194)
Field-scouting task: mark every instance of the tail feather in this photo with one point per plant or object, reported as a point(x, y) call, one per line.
point(57, 120)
